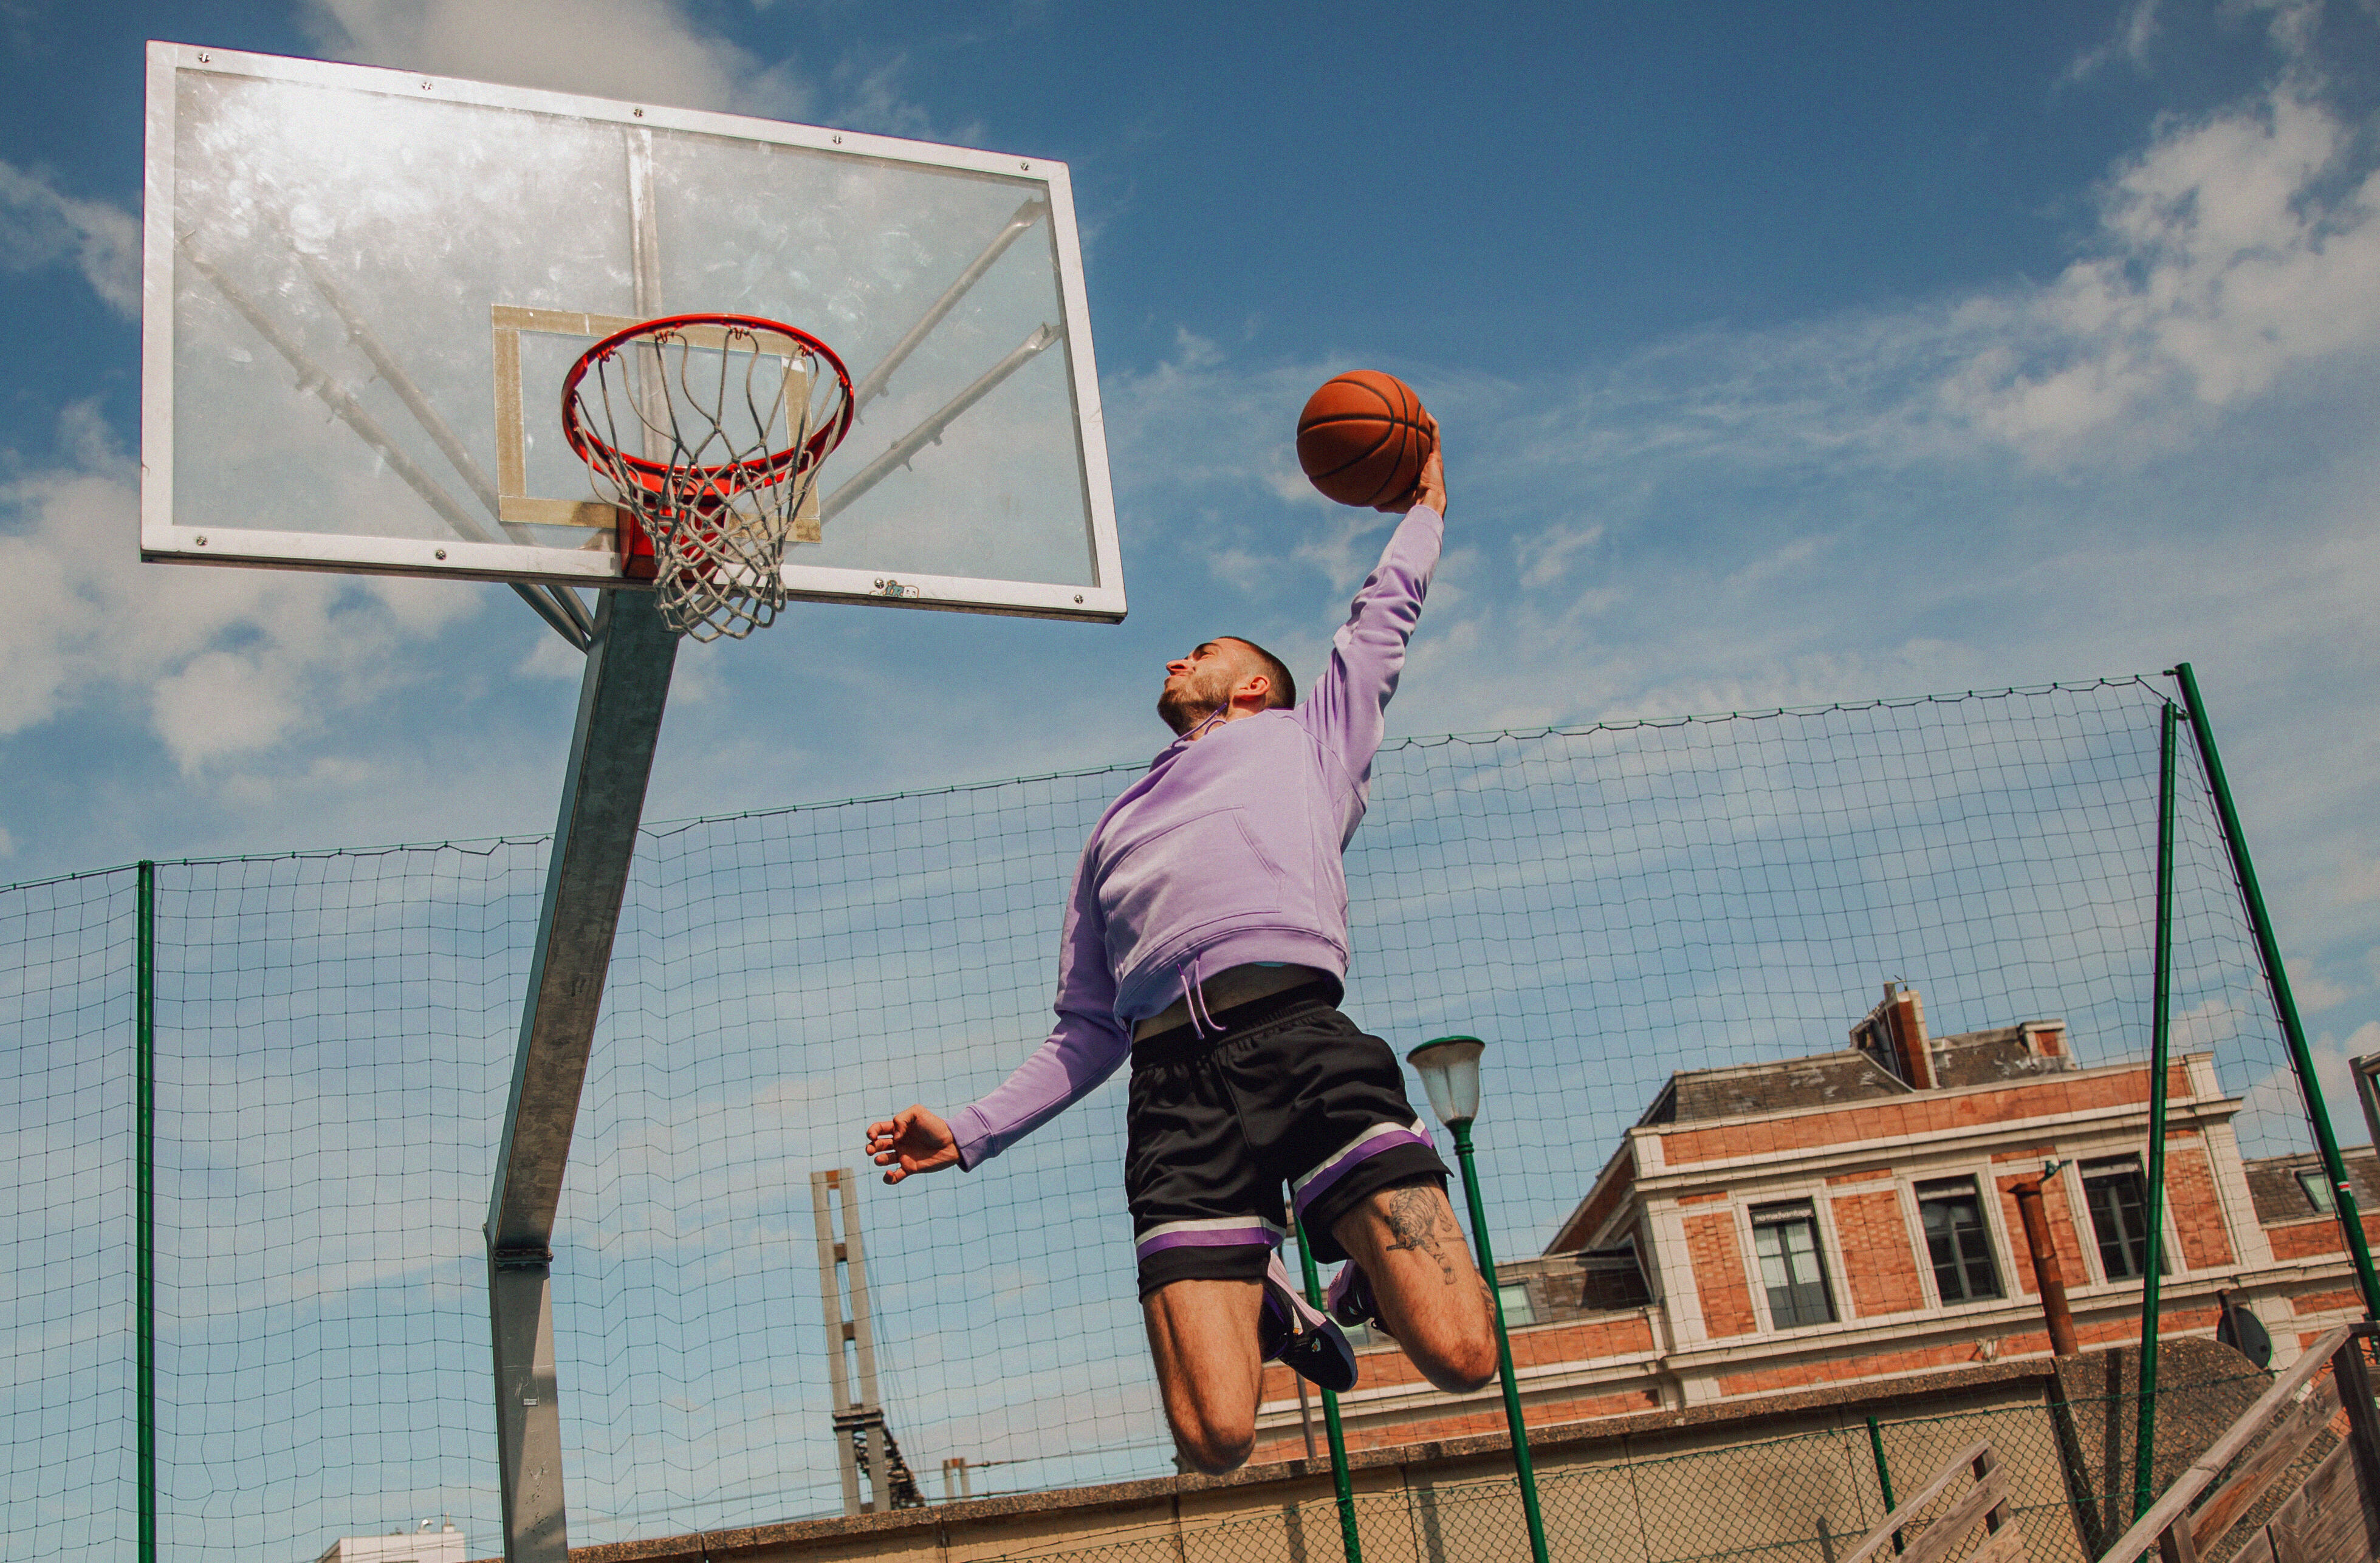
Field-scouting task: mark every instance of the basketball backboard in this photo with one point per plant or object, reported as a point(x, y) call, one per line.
point(363, 288)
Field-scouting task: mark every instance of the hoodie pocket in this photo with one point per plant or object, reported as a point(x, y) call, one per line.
point(1188, 876)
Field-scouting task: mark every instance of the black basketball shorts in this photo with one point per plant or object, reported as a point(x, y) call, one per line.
point(1289, 1092)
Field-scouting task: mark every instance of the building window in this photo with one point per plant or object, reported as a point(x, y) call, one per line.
point(1610, 1277)
point(2317, 1191)
point(1786, 1238)
point(1517, 1310)
point(1957, 1241)
point(2119, 1215)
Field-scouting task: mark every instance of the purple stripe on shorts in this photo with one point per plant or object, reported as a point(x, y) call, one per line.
point(1369, 1145)
point(1254, 1235)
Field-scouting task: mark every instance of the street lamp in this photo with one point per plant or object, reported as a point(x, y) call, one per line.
point(1450, 1073)
point(1449, 1068)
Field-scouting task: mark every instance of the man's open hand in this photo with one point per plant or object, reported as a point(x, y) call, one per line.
point(912, 1141)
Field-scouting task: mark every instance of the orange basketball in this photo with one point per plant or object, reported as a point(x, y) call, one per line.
point(1363, 438)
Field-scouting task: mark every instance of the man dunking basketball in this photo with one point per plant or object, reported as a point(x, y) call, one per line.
point(1206, 939)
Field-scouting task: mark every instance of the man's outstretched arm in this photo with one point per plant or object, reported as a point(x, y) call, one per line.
point(1085, 1047)
point(1347, 709)
point(1078, 1055)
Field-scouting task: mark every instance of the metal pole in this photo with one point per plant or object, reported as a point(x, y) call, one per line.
point(620, 702)
point(1339, 1477)
point(1882, 1475)
point(838, 1331)
point(2333, 1167)
point(863, 1341)
point(2047, 1272)
point(1504, 1340)
point(2160, 1036)
point(144, 1205)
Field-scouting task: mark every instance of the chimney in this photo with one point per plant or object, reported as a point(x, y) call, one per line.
point(1894, 1036)
point(1909, 1030)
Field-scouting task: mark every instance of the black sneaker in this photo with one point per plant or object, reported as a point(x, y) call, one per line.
point(1351, 1302)
point(1302, 1338)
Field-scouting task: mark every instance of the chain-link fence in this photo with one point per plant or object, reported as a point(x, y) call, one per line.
point(1808, 1497)
point(1608, 905)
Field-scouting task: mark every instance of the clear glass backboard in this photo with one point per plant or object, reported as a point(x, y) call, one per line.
point(363, 289)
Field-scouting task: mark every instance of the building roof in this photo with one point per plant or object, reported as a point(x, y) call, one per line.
point(1987, 1058)
point(2273, 1185)
point(1780, 1086)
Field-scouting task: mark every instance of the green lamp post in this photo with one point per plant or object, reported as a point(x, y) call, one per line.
point(1449, 1068)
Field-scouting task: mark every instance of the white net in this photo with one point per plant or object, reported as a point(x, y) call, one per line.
point(708, 431)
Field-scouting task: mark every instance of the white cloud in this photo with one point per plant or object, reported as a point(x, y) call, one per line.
point(1781, 562)
point(2231, 251)
point(43, 226)
point(222, 702)
point(2353, 881)
point(2272, 1120)
point(646, 51)
point(2317, 993)
point(2135, 30)
point(642, 51)
point(230, 662)
point(1545, 556)
point(550, 657)
point(867, 95)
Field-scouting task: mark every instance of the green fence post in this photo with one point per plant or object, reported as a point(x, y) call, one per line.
point(1339, 1478)
point(1520, 1461)
point(2160, 1036)
point(1882, 1475)
point(2333, 1167)
point(145, 1208)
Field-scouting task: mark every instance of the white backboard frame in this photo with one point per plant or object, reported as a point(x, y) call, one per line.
point(163, 538)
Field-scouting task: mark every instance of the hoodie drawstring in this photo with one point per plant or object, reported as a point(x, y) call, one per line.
point(1202, 1021)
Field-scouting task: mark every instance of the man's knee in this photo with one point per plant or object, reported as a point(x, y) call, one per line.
point(1455, 1348)
point(1464, 1364)
point(1212, 1445)
point(1203, 1334)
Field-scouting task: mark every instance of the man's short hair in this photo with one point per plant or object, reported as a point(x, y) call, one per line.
point(1284, 687)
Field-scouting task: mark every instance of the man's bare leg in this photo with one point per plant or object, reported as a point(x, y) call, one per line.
point(1203, 1334)
point(1430, 1292)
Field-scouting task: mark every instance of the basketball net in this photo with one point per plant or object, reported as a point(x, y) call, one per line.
point(705, 432)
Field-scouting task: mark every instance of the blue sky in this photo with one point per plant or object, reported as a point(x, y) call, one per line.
point(1784, 357)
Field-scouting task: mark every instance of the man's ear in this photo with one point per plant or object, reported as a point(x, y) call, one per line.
point(1256, 686)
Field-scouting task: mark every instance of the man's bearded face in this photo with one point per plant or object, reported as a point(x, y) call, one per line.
point(1198, 685)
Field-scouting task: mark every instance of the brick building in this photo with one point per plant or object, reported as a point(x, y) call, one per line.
point(1852, 1216)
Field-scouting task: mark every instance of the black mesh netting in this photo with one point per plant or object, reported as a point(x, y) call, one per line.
point(335, 1036)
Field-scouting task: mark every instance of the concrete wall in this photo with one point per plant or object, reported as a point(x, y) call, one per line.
point(1788, 1476)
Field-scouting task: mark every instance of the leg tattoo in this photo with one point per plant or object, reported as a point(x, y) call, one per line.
point(1413, 1223)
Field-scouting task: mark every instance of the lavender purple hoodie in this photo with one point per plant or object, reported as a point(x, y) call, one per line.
point(1226, 851)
